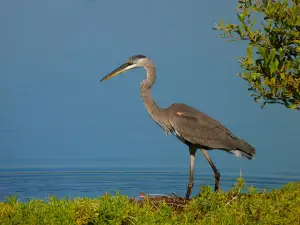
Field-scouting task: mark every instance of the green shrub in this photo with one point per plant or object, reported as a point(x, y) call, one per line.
point(237, 206)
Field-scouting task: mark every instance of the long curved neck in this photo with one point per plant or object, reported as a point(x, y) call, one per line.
point(156, 113)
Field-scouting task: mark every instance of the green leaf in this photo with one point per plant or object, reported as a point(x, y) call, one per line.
point(261, 51)
point(298, 21)
point(245, 75)
point(271, 56)
point(253, 22)
point(274, 66)
point(241, 17)
point(249, 50)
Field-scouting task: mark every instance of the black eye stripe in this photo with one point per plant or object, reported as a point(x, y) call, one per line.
point(135, 57)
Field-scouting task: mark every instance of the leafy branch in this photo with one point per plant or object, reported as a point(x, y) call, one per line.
point(273, 72)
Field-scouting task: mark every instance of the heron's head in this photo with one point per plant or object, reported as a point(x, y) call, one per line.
point(133, 62)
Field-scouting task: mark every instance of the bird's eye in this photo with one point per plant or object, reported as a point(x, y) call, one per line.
point(130, 62)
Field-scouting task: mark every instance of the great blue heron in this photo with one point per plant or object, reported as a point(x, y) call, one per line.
point(194, 128)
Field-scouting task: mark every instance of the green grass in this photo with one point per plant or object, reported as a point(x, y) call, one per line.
point(237, 206)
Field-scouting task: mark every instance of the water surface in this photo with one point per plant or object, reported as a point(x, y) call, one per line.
point(93, 180)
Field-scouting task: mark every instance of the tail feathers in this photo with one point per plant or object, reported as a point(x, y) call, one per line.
point(244, 149)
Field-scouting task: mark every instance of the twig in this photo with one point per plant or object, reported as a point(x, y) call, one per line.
point(231, 200)
point(155, 206)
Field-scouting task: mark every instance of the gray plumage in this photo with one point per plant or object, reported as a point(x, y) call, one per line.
point(194, 128)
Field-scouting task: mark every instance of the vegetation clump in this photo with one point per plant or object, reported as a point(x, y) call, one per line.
point(272, 62)
point(237, 206)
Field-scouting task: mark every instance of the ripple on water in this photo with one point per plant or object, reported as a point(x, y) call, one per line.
point(41, 184)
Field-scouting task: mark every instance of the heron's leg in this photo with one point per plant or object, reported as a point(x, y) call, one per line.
point(192, 160)
point(217, 174)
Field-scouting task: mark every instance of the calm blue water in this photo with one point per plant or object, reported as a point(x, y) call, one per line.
point(40, 178)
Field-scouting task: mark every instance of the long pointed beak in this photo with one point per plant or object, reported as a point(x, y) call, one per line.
point(117, 71)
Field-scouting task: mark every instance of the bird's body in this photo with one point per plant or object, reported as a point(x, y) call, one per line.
point(197, 129)
point(194, 128)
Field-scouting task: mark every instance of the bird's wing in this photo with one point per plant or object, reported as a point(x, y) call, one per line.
point(198, 128)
